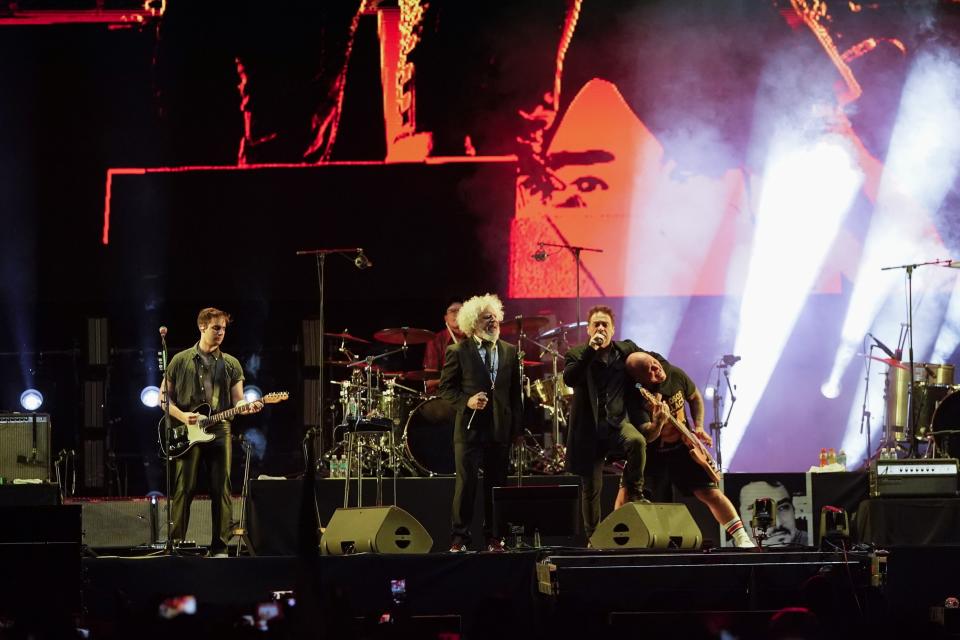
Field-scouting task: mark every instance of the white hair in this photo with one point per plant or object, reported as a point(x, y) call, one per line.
point(473, 308)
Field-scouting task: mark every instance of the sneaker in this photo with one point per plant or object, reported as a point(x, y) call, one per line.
point(495, 545)
point(221, 554)
point(458, 544)
point(744, 544)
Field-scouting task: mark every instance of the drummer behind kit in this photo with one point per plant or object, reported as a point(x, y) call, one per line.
point(422, 424)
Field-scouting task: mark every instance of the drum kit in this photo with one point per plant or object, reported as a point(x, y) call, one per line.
point(936, 400)
point(374, 399)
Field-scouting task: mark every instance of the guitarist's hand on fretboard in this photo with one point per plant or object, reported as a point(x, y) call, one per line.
point(249, 407)
point(704, 437)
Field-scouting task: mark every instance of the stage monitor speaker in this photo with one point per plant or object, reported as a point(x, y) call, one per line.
point(642, 525)
point(374, 529)
point(25, 446)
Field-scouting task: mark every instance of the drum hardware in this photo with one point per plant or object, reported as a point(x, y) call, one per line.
point(561, 331)
point(404, 336)
point(556, 455)
point(520, 325)
point(908, 334)
point(346, 336)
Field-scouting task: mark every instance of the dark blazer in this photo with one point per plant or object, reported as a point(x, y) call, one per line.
point(465, 374)
point(581, 434)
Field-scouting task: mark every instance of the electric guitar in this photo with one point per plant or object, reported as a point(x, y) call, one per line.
point(183, 436)
point(698, 451)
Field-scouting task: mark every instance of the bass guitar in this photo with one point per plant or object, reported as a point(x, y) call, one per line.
point(698, 451)
point(183, 436)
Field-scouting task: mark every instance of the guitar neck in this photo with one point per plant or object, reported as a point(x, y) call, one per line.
point(219, 417)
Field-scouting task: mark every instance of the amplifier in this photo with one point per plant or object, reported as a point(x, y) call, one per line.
point(25, 446)
point(922, 477)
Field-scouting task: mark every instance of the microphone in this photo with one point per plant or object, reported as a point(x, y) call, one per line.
point(883, 347)
point(362, 261)
point(540, 254)
point(730, 360)
point(163, 332)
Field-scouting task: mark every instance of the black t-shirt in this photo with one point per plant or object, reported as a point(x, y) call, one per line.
point(674, 391)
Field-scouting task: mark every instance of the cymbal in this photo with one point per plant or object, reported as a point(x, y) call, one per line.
point(527, 323)
point(890, 361)
point(423, 374)
point(570, 326)
point(400, 335)
point(346, 336)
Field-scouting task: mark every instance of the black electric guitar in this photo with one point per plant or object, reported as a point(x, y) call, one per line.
point(698, 451)
point(184, 436)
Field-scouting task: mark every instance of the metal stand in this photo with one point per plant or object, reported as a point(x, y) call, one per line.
point(576, 251)
point(241, 530)
point(717, 426)
point(321, 258)
point(911, 412)
point(169, 548)
point(556, 457)
point(865, 412)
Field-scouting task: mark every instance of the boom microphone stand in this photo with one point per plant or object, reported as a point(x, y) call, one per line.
point(540, 256)
point(361, 262)
point(717, 426)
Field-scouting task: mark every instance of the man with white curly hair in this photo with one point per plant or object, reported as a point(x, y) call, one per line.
point(481, 380)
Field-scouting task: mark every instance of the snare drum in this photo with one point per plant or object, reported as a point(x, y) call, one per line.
point(428, 437)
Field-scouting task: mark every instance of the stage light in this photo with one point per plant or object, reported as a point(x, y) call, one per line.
point(830, 389)
point(708, 393)
point(150, 396)
point(252, 393)
point(31, 399)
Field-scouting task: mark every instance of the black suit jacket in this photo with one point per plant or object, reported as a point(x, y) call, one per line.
point(582, 432)
point(465, 374)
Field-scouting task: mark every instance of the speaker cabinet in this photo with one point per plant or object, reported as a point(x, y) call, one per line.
point(640, 525)
point(25, 446)
point(374, 529)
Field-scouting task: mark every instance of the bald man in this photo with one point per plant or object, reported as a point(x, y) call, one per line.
point(668, 458)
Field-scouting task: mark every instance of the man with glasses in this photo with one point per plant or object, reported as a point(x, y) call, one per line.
point(481, 380)
point(205, 375)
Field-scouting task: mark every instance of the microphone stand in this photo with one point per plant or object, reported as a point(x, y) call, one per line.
point(576, 251)
point(717, 426)
point(911, 417)
point(865, 413)
point(168, 548)
point(321, 258)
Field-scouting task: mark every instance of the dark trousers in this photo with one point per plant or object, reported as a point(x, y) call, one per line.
point(216, 456)
point(631, 442)
point(470, 457)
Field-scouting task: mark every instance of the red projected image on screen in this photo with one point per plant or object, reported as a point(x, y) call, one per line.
point(663, 230)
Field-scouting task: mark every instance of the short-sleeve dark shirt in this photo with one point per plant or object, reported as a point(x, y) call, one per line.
point(188, 372)
point(674, 391)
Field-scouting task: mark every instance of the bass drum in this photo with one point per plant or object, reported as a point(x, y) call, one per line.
point(946, 425)
point(428, 437)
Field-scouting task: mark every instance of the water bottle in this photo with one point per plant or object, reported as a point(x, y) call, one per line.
point(342, 463)
point(831, 456)
point(842, 459)
point(823, 457)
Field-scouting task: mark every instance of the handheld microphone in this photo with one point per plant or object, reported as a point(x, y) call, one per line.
point(362, 261)
point(540, 254)
point(163, 332)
